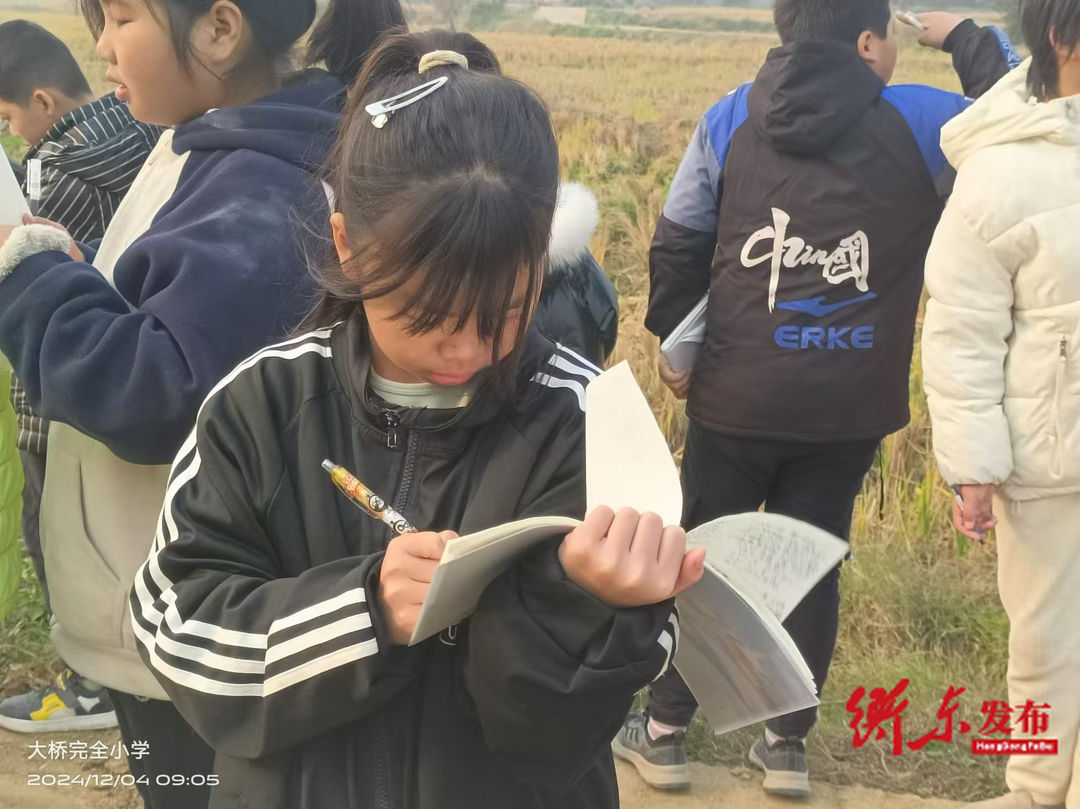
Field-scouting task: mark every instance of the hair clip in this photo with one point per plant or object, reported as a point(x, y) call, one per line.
point(381, 111)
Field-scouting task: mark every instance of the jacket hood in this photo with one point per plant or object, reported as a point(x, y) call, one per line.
point(297, 124)
point(576, 217)
point(808, 94)
point(1009, 114)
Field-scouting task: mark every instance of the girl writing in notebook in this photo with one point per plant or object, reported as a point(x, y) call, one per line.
point(276, 615)
point(120, 342)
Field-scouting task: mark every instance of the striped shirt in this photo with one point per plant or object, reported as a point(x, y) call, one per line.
point(33, 430)
point(89, 160)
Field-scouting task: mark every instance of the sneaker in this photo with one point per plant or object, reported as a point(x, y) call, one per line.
point(65, 704)
point(661, 762)
point(784, 765)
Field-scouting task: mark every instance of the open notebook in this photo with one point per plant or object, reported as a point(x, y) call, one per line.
point(628, 464)
point(12, 203)
point(682, 346)
point(733, 652)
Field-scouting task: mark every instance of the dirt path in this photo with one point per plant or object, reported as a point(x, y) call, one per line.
point(18, 771)
point(714, 787)
point(722, 788)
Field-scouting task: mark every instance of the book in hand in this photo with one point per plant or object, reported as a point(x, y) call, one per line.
point(12, 202)
point(733, 652)
point(682, 346)
point(628, 464)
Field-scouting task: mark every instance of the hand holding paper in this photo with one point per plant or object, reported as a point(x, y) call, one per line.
point(629, 560)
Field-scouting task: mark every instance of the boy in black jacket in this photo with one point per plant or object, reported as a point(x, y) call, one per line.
point(792, 190)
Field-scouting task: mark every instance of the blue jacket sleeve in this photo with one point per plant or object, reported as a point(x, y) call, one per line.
point(218, 276)
point(680, 258)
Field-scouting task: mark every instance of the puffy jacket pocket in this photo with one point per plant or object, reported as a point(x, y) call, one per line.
point(87, 597)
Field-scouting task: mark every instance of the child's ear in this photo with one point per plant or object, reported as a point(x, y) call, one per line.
point(865, 46)
point(341, 241)
point(44, 101)
point(218, 37)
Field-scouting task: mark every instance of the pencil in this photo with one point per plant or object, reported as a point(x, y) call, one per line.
point(366, 499)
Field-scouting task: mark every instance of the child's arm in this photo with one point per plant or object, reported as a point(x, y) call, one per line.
point(680, 260)
point(216, 279)
point(981, 56)
point(256, 662)
point(550, 670)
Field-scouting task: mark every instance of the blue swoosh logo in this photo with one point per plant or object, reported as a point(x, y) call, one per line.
point(815, 307)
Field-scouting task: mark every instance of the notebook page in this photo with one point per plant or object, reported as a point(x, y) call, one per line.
point(459, 581)
point(737, 660)
point(12, 203)
point(776, 560)
point(628, 463)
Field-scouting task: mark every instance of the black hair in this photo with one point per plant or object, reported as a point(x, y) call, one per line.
point(347, 31)
point(31, 57)
point(457, 189)
point(831, 20)
point(1046, 24)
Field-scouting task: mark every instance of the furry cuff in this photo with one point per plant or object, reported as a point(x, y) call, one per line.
point(29, 240)
point(576, 217)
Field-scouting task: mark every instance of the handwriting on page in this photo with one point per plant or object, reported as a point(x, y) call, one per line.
point(778, 559)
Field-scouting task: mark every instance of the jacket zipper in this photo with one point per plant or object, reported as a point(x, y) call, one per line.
point(393, 442)
point(407, 475)
point(392, 424)
point(1057, 471)
point(380, 764)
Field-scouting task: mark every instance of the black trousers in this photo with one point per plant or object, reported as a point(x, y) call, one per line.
point(815, 483)
point(172, 750)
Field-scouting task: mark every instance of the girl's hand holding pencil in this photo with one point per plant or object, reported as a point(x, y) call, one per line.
point(405, 578)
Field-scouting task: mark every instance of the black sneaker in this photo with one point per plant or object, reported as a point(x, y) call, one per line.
point(662, 763)
point(65, 704)
point(784, 765)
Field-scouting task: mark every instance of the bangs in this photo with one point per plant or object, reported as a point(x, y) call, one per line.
point(473, 253)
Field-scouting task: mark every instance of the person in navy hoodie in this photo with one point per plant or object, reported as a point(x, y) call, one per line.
point(119, 343)
point(804, 208)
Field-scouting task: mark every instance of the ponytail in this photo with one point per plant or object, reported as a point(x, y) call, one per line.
point(349, 30)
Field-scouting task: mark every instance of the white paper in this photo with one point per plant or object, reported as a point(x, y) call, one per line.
point(12, 203)
point(736, 658)
point(682, 345)
point(33, 182)
point(774, 559)
point(627, 460)
point(470, 563)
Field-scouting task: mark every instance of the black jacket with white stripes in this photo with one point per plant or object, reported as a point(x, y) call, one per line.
point(89, 159)
point(258, 608)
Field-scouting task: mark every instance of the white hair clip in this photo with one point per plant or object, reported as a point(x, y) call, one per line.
point(381, 111)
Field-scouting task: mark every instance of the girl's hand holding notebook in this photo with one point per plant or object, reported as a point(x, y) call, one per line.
point(629, 560)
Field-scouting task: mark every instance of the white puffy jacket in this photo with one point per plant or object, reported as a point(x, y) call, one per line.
point(1001, 340)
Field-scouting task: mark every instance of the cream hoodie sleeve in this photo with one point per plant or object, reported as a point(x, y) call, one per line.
point(964, 345)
